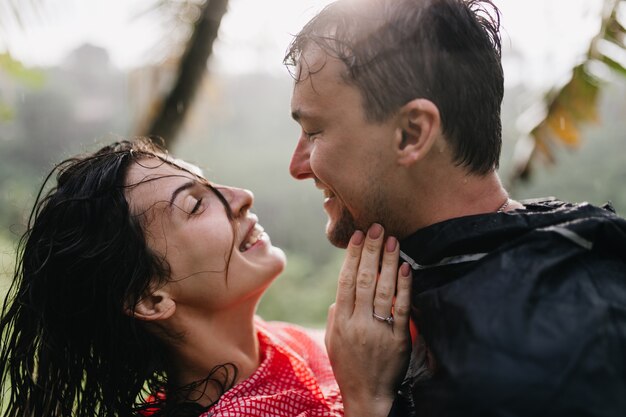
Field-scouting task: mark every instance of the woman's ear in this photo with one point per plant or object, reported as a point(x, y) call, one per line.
point(158, 305)
point(420, 126)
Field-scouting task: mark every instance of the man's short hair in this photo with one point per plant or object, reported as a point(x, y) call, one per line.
point(446, 51)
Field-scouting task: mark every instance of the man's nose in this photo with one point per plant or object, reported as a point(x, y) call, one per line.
point(300, 166)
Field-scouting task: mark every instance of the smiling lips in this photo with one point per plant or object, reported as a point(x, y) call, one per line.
point(253, 237)
point(327, 193)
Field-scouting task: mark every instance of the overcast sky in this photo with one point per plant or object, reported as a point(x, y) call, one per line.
point(549, 35)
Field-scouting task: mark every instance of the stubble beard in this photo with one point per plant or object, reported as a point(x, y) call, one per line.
point(341, 231)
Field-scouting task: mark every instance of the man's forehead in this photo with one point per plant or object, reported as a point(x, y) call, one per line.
point(322, 80)
point(311, 61)
point(315, 62)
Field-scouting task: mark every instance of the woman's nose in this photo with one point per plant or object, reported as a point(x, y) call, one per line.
point(240, 200)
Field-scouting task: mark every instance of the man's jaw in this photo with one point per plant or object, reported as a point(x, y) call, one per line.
point(340, 228)
point(341, 224)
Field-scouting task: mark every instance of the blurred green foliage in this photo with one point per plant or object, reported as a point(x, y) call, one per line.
point(18, 72)
point(7, 259)
point(303, 292)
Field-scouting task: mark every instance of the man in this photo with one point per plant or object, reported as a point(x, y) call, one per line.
point(521, 305)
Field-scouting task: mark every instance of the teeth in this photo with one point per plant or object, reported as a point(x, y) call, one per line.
point(254, 236)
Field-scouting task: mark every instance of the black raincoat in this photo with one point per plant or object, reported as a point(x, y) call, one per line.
point(523, 313)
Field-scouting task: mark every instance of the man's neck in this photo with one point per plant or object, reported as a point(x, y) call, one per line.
point(452, 194)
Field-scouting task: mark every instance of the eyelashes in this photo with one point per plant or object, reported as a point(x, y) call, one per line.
point(310, 136)
point(197, 206)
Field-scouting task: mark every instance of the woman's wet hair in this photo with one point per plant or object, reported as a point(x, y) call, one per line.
point(70, 343)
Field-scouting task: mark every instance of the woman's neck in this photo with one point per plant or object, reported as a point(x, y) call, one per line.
point(227, 337)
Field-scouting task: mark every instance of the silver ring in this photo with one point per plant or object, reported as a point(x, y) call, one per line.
point(388, 320)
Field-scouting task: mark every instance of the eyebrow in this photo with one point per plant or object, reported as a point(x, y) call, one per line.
point(299, 114)
point(180, 189)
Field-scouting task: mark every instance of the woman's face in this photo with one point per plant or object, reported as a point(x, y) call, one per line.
point(215, 264)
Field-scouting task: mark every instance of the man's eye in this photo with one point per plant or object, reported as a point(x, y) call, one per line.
point(310, 136)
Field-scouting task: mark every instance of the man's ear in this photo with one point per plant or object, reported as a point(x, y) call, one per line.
point(158, 305)
point(420, 125)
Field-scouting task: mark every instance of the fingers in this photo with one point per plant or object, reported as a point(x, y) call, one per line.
point(347, 276)
point(368, 271)
point(402, 305)
point(362, 290)
point(329, 323)
point(386, 285)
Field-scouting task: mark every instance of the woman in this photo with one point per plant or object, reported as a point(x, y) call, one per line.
point(135, 293)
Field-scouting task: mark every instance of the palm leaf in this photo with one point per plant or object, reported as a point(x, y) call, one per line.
point(575, 104)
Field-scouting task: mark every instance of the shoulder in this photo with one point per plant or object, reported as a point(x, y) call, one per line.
point(543, 315)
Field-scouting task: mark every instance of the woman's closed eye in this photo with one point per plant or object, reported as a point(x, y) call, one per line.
point(197, 205)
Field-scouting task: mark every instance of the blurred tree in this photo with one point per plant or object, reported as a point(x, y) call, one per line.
point(15, 12)
point(171, 109)
point(564, 111)
point(199, 18)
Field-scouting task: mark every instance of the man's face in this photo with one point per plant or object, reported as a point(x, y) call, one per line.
point(348, 157)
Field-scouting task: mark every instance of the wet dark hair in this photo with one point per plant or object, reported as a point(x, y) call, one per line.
point(446, 51)
point(69, 347)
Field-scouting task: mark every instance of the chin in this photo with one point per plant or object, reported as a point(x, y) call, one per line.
point(339, 234)
point(280, 260)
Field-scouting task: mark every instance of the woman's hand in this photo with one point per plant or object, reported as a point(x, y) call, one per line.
point(369, 354)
